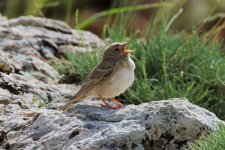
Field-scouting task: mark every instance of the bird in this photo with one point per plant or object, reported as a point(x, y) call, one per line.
point(110, 78)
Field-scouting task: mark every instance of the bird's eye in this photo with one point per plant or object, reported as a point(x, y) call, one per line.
point(117, 49)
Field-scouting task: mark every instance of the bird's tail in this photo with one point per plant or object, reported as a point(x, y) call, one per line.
point(75, 99)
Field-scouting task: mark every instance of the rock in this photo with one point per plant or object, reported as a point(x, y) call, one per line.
point(5, 65)
point(6, 82)
point(2, 136)
point(167, 124)
point(28, 44)
point(6, 97)
point(49, 37)
point(27, 65)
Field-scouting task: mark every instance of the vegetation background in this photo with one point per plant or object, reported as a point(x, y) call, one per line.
point(180, 45)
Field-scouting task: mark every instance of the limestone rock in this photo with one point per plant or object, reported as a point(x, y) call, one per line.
point(6, 82)
point(5, 65)
point(49, 37)
point(168, 124)
point(28, 44)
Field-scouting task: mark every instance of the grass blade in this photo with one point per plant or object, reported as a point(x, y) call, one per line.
point(116, 11)
point(68, 10)
point(173, 19)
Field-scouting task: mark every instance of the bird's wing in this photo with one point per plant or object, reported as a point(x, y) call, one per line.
point(102, 71)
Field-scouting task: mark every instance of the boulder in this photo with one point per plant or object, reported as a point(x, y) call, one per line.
point(28, 46)
point(49, 38)
point(167, 124)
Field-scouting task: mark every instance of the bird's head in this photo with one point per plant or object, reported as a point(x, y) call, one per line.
point(116, 50)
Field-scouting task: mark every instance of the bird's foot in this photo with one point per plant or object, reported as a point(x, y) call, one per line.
point(111, 107)
point(105, 106)
point(117, 106)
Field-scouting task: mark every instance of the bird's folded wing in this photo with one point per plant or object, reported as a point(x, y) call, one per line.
point(102, 71)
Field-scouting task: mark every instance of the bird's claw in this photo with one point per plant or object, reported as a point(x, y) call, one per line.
point(105, 106)
point(110, 107)
point(117, 106)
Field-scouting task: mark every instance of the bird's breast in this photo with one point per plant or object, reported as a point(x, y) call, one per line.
point(119, 82)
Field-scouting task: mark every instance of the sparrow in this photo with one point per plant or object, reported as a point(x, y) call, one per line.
point(111, 77)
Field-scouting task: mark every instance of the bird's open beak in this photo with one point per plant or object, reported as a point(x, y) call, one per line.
point(128, 51)
point(125, 50)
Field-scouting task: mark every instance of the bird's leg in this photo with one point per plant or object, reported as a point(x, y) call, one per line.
point(105, 104)
point(118, 104)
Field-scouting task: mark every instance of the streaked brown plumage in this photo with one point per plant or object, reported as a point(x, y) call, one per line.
point(111, 77)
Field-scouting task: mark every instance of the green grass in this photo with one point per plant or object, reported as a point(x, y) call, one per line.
point(214, 141)
point(76, 66)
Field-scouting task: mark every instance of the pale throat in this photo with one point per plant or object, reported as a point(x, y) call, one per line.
point(128, 62)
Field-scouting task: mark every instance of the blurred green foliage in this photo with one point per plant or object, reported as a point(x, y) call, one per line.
point(15, 8)
point(93, 13)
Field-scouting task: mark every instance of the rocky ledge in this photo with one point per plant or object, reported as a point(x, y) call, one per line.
point(167, 124)
point(27, 81)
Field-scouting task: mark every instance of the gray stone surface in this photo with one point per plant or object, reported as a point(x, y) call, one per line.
point(167, 124)
point(28, 45)
point(5, 65)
